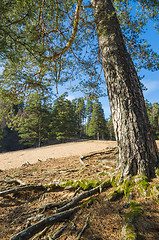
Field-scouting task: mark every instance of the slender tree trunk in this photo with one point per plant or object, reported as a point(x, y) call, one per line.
point(137, 148)
point(98, 136)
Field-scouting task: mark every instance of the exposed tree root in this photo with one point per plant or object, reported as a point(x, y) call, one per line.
point(49, 206)
point(84, 195)
point(130, 211)
point(41, 234)
point(39, 226)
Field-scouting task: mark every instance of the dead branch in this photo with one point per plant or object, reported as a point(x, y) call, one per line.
point(66, 171)
point(108, 151)
point(59, 232)
point(39, 226)
point(46, 187)
point(22, 188)
point(81, 161)
point(49, 206)
point(10, 181)
point(84, 195)
point(84, 228)
point(36, 218)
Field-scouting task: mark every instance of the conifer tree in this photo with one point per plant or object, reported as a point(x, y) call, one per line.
point(64, 123)
point(153, 115)
point(80, 114)
point(110, 128)
point(97, 124)
point(33, 127)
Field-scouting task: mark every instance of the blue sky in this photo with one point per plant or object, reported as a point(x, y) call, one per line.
point(151, 79)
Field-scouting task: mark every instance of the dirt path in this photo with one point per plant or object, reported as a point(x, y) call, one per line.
point(17, 158)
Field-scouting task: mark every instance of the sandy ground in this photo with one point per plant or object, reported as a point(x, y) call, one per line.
point(18, 158)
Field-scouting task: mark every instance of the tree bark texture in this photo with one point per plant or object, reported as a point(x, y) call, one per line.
point(138, 152)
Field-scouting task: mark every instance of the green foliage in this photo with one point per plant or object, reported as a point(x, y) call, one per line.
point(157, 172)
point(143, 187)
point(97, 123)
point(64, 121)
point(110, 128)
point(33, 126)
point(34, 35)
point(115, 179)
point(79, 107)
point(153, 114)
point(88, 202)
point(135, 208)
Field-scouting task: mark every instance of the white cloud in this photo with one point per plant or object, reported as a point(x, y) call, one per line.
point(71, 97)
point(151, 85)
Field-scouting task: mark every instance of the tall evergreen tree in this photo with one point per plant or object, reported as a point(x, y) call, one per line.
point(80, 114)
point(153, 115)
point(33, 127)
point(97, 124)
point(64, 123)
point(110, 128)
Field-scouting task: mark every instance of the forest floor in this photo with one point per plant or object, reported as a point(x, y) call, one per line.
point(23, 204)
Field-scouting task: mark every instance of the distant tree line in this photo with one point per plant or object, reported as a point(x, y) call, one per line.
point(38, 122)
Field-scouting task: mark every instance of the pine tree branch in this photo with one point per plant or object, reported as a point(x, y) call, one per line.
point(73, 35)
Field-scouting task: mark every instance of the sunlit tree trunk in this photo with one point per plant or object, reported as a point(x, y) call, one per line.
point(137, 148)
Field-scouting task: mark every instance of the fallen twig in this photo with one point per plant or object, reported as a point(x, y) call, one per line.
point(59, 232)
point(81, 161)
point(109, 150)
point(10, 181)
point(84, 228)
point(22, 188)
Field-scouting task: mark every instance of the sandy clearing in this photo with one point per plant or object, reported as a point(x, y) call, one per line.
point(18, 158)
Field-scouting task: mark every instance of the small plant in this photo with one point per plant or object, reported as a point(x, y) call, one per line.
point(157, 172)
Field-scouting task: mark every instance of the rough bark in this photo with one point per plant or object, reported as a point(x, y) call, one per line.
point(137, 148)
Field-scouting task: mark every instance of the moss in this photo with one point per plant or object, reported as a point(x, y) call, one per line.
point(103, 174)
point(136, 208)
point(143, 186)
point(115, 194)
point(127, 186)
point(128, 232)
point(83, 184)
point(88, 202)
point(115, 180)
point(155, 192)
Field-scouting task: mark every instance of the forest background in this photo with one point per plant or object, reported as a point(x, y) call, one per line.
point(40, 117)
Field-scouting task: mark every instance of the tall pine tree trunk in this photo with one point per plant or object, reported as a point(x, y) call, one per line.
point(137, 148)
